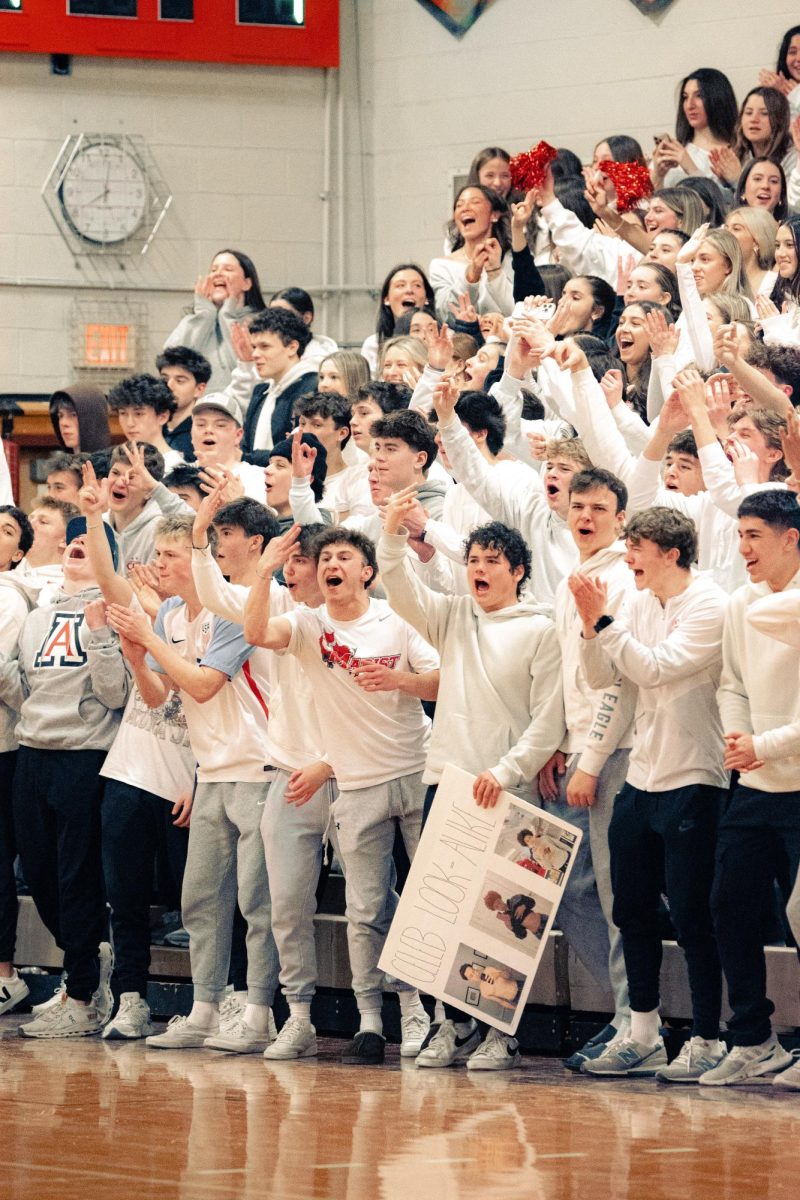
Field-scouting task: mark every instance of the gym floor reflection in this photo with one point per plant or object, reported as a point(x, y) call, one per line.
point(87, 1118)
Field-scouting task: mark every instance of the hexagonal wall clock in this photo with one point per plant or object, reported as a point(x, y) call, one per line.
point(106, 195)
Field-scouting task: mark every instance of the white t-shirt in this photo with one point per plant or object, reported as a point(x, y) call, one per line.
point(252, 479)
point(368, 737)
point(347, 493)
point(228, 732)
point(152, 750)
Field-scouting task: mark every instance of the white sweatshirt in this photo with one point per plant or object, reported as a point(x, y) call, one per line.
point(758, 690)
point(448, 278)
point(599, 721)
point(673, 654)
point(777, 615)
point(499, 706)
point(554, 552)
point(582, 251)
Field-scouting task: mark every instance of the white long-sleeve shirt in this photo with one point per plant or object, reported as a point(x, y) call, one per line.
point(598, 721)
point(448, 278)
point(554, 552)
point(673, 654)
point(758, 691)
point(582, 251)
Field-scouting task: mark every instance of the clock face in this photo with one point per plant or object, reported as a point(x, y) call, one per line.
point(103, 194)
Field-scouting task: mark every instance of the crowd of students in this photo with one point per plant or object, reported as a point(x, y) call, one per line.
point(544, 526)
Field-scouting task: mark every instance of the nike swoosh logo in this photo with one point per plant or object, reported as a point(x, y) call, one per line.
point(177, 641)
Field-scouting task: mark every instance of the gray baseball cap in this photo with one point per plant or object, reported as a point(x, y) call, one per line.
point(220, 402)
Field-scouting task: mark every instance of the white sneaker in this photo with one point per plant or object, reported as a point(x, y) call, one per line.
point(240, 1038)
point(132, 1019)
point(297, 1039)
point(748, 1062)
point(231, 1010)
point(697, 1056)
point(497, 1052)
point(55, 999)
point(180, 1034)
point(444, 1048)
point(103, 998)
point(69, 1018)
point(414, 1028)
point(791, 1077)
point(13, 990)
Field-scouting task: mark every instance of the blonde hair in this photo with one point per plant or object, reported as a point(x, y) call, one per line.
point(416, 350)
point(726, 244)
point(764, 229)
point(571, 448)
point(353, 368)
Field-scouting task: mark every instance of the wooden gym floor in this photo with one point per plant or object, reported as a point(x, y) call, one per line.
point(115, 1121)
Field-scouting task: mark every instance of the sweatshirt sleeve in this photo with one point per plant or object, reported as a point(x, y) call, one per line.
point(583, 251)
point(556, 389)
point(597, 428)
point(484, 484)
point(508, 394)
point(12, 682)
point(422, 398)
point(692, 646)
point(719, 478)
point(546, 730)
point(778, 743)
point(611, 721)
point(169, 502)
point(445, 539)
point(632, 428)
point(108, 670)
point(195, 328)
point(305, 510)
point(216, 594)
point(425, 610)
point(244, 378)
point(778, 616)
point(732, 698)
point(697, 324)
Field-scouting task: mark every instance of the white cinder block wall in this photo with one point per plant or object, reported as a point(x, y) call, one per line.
point(242, 148)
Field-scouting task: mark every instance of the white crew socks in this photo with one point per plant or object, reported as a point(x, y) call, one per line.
point(204, 1014)
point(300, 1010)
point(371, 1022)
point(644, 1027)
point(410, 1002)
point(256, 1016)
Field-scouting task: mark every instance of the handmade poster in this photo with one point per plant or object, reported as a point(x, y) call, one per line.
point(480, 899)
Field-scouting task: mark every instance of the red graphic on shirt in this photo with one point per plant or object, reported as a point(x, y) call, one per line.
point(336, 655)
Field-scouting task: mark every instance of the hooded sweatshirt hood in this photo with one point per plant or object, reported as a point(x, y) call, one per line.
point(92, 412)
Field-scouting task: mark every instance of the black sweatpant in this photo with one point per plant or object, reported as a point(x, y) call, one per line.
point(57, 795)
point(759, 842)
point(665, 842)
point(138, 832)
point(8, 852)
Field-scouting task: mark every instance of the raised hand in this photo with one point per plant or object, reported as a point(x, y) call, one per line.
point(397, 507)
point(744, 461)
point(445, 398)
point(210, 477)
point(93, 496)
point(440, 348)
point(522, 211)
point(766, 308)
point(138, 471)
point(240, 338)
point(464, 311)
point(624, 267)
point(663, 337)
point(303, 456)
point(146, 585)
point(204, 288)
point(207, 510)
point(277, 552)
point(612, 387)
point(725, 164)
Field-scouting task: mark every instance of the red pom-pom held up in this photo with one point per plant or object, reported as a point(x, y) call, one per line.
point(631, 180)
point(529, 168)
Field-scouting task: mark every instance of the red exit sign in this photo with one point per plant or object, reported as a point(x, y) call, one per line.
point(285, 33)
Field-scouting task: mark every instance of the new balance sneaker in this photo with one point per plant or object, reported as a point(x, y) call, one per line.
point(103, 998)
point(13, 990)
point(239, 1038)
point(497, 1052)
point(444, 1048)
point(297, 1039)
point(68, 1018)
point(791, 1077)
point(591, 1049)
point(180, 1034)
point(132, 1019)
point(697, 1055)
point(742, 1063)
point(365, 1050)
point(627, 1057)
point(414, 1028)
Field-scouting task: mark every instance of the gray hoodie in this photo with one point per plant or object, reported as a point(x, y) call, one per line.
point(69, 683)
point(136, 543)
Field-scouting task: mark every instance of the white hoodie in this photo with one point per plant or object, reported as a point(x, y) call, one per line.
point(499, 706)
point(758, 689)
point(598, 721)
point(673, 653)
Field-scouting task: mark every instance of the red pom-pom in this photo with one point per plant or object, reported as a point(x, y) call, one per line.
point(529, 168)
point(631, 180)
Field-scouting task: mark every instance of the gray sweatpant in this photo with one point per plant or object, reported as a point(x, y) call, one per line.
point(293, 844)
point(363, 828)
point(584, 914)
point(225, 862)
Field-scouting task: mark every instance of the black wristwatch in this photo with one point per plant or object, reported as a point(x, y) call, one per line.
point(603, 623)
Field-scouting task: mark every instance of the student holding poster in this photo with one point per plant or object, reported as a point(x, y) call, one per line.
point(499, 712)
